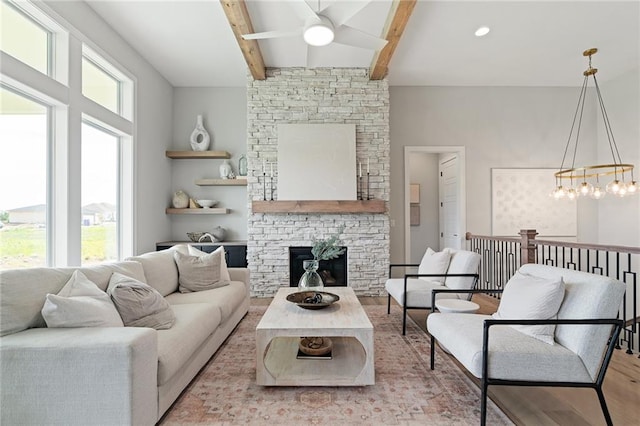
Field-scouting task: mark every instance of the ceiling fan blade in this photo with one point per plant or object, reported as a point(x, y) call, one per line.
point(340, 12)
point(272, 34)
point(353, 37)
point(304, 11)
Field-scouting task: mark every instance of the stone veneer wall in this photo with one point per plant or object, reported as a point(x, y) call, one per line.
point(324, 95)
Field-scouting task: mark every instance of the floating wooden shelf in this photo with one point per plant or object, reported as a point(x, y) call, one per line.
point(197, 154)
point(319, 206)
point(221, 182)
point(198, 211)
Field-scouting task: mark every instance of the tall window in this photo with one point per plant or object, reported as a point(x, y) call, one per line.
point(54, 209)
point(100, 166)
point(24, 38)
point(23, 181)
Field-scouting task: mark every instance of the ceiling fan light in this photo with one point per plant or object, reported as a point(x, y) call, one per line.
point(319, 33)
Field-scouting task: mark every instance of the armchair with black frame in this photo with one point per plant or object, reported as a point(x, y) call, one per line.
point(454, 269)
point(498, 353)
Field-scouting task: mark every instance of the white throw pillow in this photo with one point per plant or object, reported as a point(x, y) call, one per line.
point(224, 272)
point(197, 273)
point(139, 304)
point(530, 297)
point(80, 303)
point(434, 263)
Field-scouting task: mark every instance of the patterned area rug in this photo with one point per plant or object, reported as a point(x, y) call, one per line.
point(406, 390)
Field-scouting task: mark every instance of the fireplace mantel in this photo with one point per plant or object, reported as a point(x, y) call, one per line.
point(318, 206)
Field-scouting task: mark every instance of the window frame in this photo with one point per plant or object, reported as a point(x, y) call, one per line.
point(62, 92)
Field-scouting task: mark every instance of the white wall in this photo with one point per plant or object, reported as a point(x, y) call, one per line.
point(619, 218)
point(224, 113)
point(153, 111)
point(500, 127)
point(423, 170)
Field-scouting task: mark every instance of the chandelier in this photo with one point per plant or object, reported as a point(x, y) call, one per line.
point(573, 182)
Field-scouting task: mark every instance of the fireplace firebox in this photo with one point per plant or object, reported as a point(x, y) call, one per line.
point(333, 272)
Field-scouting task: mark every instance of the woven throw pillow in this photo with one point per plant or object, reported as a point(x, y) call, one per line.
point(434, 263)
point(530, 297)
point(139, 304)
point(224, 272)
point(80, 303)
point(198, 273)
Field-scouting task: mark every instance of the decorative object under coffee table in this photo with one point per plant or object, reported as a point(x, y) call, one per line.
point(344, 322)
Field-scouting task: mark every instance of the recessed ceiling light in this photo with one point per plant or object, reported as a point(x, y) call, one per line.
point(482, 31)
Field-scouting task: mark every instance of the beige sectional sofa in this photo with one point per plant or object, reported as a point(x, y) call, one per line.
point(107, 375)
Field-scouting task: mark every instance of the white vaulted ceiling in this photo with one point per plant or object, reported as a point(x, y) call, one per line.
point(531, 43)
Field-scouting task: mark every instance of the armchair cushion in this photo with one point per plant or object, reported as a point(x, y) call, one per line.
point(418, 291)
point(435, 263)
point(530, 297)
point(512, 355)
point(462, 262)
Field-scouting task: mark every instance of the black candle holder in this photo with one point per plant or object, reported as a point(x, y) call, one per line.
point(368, 194)
point(271, 187)
point(360, 193)
point(264, 186)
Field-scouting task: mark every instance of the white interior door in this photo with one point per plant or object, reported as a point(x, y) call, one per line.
point(450, 232)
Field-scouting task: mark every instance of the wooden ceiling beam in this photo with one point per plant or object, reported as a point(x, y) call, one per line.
point(238, 16)
point(394, 27)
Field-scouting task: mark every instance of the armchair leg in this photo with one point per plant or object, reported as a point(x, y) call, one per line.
point(603, 405)
point(483, 401)
point(404, 320)
point(388, 304)
point(433, 351)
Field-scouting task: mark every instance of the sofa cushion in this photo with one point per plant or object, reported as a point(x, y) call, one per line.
point(160, 268)
point(462, 262)
point(530, 297)
point(80, 303)
point(224, 271)
point(195, 322)
point(197, 273)
point(139, 304)
point(23, 291)
point(512, 354)
point(227, 298)
point(418, 291)
point(434, 263)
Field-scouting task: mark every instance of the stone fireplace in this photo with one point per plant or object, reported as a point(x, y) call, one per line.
point(317, 96)
point(333, 271)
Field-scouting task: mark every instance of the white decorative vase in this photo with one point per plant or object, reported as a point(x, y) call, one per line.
point(225, 170)
point(200, 137)
point(180, 200)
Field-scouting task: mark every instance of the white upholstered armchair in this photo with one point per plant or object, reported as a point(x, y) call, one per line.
point(554, 327)
point(448, 269)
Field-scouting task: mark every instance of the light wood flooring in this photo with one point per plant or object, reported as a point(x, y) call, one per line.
point(541, 406)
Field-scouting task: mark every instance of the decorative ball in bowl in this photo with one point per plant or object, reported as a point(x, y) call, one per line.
point(315, 345)
point(195, 236)
point(207, 203)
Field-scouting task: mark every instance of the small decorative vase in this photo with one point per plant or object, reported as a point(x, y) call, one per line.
point(219, 233)
point(242, 166)
point(180, 200)
point(310, 280)
point(225, 170)
point(199, 137)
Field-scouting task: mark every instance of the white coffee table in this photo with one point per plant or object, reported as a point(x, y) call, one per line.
point(457, 306)
point(345, 322)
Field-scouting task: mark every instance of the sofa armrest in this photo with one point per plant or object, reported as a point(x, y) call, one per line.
point(80, 376)
point(240, 274)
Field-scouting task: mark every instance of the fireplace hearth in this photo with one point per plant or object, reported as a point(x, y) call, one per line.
point(333, 272)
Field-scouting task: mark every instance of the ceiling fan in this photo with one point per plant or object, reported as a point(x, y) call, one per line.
point(326, 26)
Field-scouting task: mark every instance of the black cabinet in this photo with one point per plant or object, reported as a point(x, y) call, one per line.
point(236, 254)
